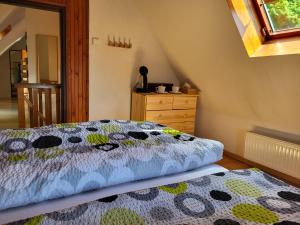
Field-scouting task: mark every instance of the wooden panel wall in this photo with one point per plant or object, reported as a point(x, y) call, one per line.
point(77, 46)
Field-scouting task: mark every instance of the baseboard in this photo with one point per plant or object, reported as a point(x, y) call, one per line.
point(289, 179)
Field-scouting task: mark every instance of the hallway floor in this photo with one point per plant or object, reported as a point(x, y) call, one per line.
point(8, 113)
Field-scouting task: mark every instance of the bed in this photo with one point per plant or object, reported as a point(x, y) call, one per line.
point(21, 213)
point(61, 161)
point(225, 198)
point(128, 172)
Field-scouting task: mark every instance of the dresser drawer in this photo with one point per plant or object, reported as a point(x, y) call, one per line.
point(159, 103)
point(171, 116)
point(180, 102)
point(186, 127)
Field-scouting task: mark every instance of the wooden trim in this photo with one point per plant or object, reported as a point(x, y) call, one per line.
point(35, 107)
point(74, 16)
point(58, 104)
point(48, 106)
point(289, 179)
point(30, 110)
point(41, 108)
point(37, 4)
point(21, 108)
point(37, 85)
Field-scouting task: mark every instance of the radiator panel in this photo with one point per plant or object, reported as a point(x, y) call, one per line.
point(276, 154)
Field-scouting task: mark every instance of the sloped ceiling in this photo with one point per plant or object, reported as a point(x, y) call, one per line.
point(5, 10)
point(15, 17)
point(238, 93)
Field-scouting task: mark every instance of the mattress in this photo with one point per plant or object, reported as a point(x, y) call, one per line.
point(235, 197)
point(67, 159)
point(21, 213)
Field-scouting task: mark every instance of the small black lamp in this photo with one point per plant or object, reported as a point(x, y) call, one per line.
point(144, 73)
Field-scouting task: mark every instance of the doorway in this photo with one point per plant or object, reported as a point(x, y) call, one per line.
point(74, 18)
point(33, 42)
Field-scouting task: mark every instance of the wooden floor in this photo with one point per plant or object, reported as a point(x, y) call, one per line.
point(8, 113)
point(232, 164)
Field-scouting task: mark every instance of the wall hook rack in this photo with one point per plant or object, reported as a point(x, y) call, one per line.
point(119, 43)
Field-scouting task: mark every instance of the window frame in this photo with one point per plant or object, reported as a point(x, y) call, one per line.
point(266, 28)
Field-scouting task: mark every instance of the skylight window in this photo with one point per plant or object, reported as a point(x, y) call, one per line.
point(279, 18)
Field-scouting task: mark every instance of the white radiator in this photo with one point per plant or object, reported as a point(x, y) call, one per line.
point(276, 154)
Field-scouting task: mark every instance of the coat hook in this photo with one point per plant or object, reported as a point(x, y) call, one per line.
point(120, 42)
point(124, 42)
point(114, 42)
point(110, 43)
point(130, 44)
point(126, 45)
point(94, 40)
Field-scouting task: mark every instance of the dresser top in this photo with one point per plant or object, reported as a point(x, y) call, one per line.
point(167, 94)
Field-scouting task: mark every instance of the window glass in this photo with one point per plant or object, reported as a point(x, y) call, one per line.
point(283, 14)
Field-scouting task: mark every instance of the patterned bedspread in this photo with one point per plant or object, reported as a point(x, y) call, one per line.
point(231, 198)
point(62, 160)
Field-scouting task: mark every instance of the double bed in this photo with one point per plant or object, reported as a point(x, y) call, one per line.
point(129, 172)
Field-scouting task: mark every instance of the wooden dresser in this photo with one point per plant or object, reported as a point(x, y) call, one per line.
point(177, 111)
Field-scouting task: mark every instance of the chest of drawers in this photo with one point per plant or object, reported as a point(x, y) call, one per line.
point(177, 111)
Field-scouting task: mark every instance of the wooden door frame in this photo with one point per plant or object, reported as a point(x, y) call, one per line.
point(74, 27)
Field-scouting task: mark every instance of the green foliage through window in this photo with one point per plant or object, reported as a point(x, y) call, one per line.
point(284, 14)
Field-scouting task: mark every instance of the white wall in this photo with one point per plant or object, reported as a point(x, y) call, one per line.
point(238, 93)
point(40, 22)
point(114, 71)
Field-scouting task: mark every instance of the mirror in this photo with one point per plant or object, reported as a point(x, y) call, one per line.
point(47, 59)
